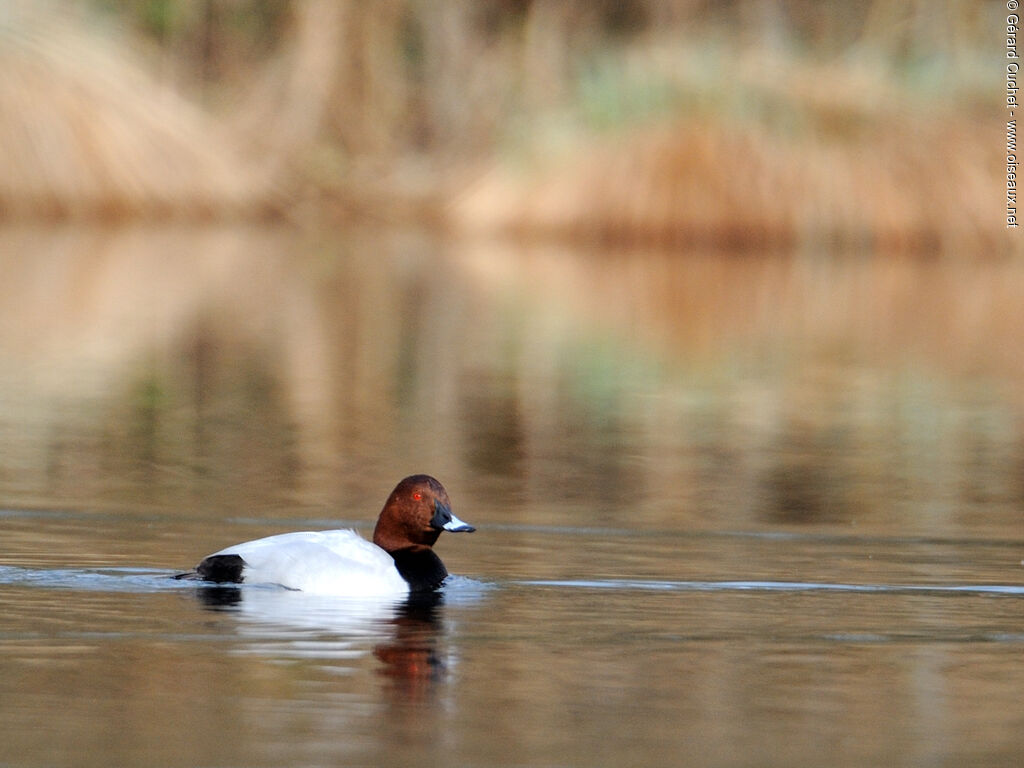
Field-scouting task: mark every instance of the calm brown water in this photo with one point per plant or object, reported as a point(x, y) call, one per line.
point(732, 511)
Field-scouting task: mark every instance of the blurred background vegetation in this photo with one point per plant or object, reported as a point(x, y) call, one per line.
point(766, 123)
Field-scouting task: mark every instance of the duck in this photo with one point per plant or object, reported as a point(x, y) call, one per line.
point(400, 560)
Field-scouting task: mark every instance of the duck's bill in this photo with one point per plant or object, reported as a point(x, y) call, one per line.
point(457, 526)
point(444, 520)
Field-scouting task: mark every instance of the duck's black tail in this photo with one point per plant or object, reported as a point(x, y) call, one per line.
point(217, 568)
point(222, 569)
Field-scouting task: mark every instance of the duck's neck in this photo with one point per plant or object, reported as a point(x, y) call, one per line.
point(392, 536)
point(419, 566)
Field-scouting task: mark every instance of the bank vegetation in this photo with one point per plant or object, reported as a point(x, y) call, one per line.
point(654, 122)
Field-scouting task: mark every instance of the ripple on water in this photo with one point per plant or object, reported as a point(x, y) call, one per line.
point(776, 586)
point(459, 588)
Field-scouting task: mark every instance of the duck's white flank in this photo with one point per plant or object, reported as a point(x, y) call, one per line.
point(321, 562)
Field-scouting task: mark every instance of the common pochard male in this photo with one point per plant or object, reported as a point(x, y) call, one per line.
point(340, 562)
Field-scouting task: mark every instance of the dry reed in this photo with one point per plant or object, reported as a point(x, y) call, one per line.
point(86, 133)
point(897, 187)
point(378, 109)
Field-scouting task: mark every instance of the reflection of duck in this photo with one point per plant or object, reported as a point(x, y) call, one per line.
point(398, 562)
point(272, 612)
point(406, 635)
point(217, 598)
point(412, 658)
point(403, 635)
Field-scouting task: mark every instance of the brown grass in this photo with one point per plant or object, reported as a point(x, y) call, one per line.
point(376, 110)
point(86, 133)
point(897, 185)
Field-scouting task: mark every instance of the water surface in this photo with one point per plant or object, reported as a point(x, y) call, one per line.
point(731, 511)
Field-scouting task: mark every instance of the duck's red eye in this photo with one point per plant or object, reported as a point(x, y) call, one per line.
point(417, 496)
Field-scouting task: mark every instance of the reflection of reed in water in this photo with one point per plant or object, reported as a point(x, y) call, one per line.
point(779, 388)
point(235, 370)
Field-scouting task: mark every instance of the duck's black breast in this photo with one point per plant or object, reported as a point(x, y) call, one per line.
point(420, 567)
